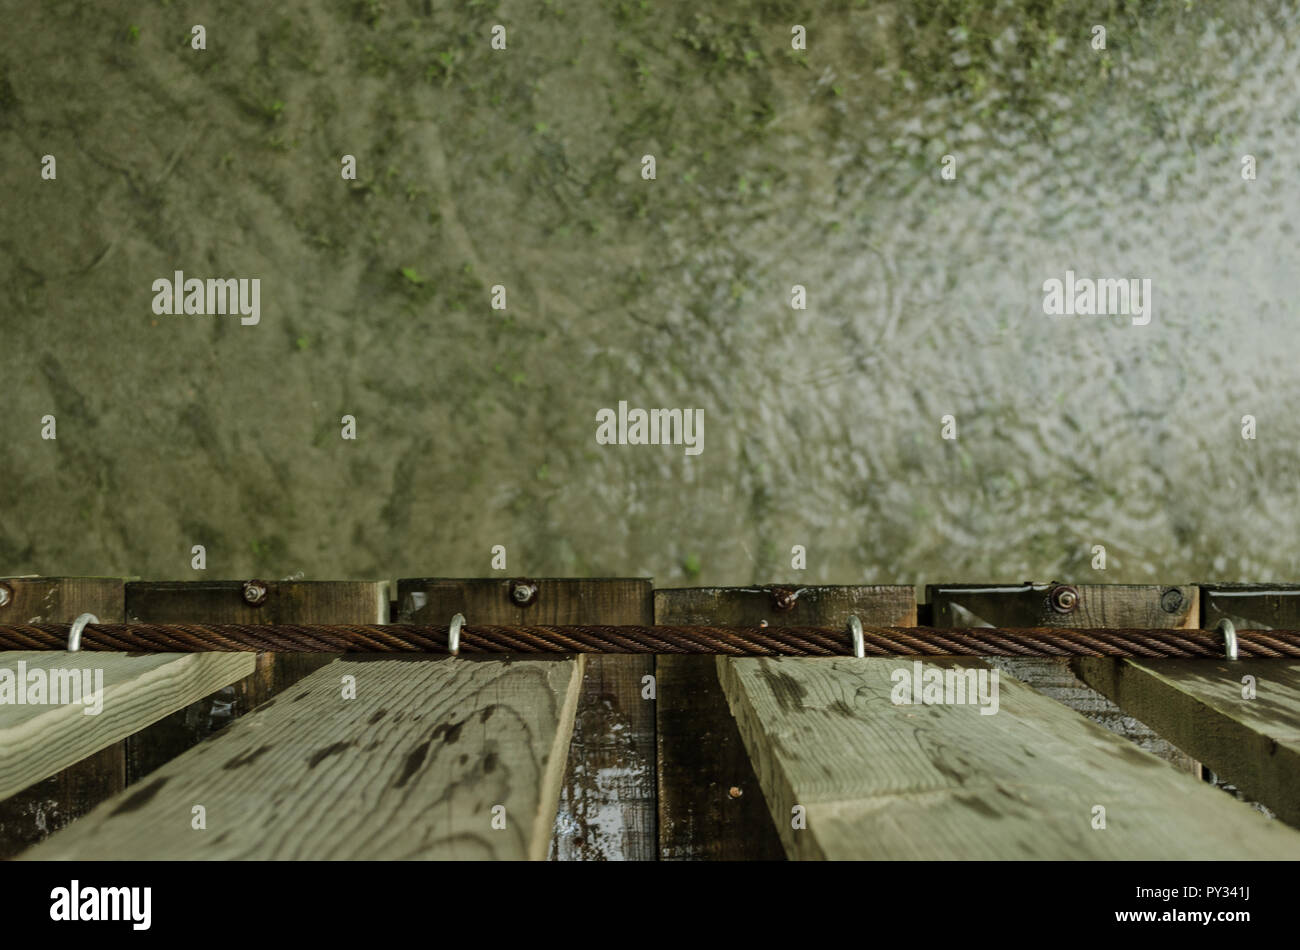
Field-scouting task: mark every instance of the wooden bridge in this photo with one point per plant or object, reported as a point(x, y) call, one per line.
point(645, 756)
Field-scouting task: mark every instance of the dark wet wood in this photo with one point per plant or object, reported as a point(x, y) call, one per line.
point(223, 602)
point(711, 806)
point(1099, 605)
point(41, 809)
point(607, 799)
point(1251, 606)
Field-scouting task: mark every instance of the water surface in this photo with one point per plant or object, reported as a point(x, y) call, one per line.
point(522, 167)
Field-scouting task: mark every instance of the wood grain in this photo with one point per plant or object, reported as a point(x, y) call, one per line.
point(607, 800)
point(409, 769)
point(1100, 605)
point(223, 602)
point(1198, 704)
point(37, 741)
point(1252, 743)
point(711, 806)
point(885, 781)
point(33, 813)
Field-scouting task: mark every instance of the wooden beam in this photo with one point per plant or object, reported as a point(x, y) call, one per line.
point(223, 602)
point(414, 767)
point(1254, 743)
point(883, 781)
point(607, 800)
point(1249, 737)
point(37, 741)
point(1251, 606)
point(711, 806)
point(1099, 605)
point(33, 813)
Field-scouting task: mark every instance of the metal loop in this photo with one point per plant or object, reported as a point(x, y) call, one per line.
point(453, 634)
point(74, 632)
point(855, 633)
point(1229, 638)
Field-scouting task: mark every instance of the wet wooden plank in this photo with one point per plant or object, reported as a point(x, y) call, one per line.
point(32, 813)
point(711, 806)
point(105, 697)
point(434, 758)
point(1250, 737)
point(61, 599)
point(607, 799)
point(885, 781)
point(42, 809)
point(1251, 606)
point(1098, 605)
point(224, 602)
point(1201, 705)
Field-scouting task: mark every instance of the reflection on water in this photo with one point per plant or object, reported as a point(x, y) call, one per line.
point(522, 168)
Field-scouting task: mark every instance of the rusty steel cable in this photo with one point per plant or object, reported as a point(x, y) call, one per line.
point(596, 638)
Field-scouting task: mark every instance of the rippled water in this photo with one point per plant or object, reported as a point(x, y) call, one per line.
point(521, 167)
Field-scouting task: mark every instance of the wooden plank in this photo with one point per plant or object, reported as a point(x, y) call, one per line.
point(224, 602)
point(1251, 606)
point(1099, 605)
point(61, 599)
point(131, 692)
point(885, 781)
point(42, 809)
point(1198, 704)
point(413, 767)
point(607, 799)
point(1253, 743)
point(33, 813)
point(710, 804)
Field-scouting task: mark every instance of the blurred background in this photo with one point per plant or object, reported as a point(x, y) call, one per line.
point(775, 167)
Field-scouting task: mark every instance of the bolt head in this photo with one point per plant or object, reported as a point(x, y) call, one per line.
point(735, 792)
point(6, 595)
point(255, 593)
point(1063, 598)
point(523, 593)
point(1171, 601)
point(784, 598)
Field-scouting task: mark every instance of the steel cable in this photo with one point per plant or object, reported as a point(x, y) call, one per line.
point(596, 638)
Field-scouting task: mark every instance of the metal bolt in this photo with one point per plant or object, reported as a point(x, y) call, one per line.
point(1063, 598)
point(523, 593)
point(734, 792)
point(1171, 600)
point(784, 598)
point(6, 595)
point(255, 593)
